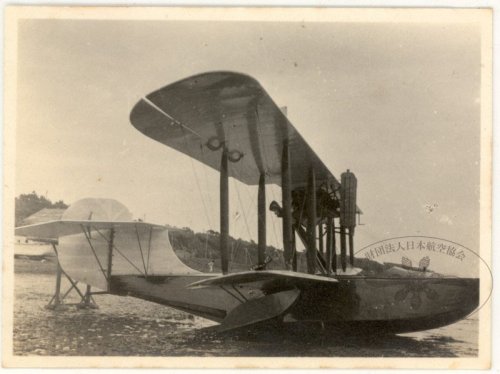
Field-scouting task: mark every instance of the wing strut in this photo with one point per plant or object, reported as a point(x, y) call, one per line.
point(311, 222)
point(224, 211)
point(110, 255)
point(286, 192)
point(87, 236)
point(118, 251)
point(261, 214)
point(347, 216)
point(331, 260)
point(142, 254)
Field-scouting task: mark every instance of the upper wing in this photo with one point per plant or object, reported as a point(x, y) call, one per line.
point(196, 115)
point(56, 229)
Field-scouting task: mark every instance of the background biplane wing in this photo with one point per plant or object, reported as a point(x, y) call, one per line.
point(88, 214)
point(197, 115)
point(57, 229)
point(97, 238)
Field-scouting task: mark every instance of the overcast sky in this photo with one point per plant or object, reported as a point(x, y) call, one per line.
point(397, 104)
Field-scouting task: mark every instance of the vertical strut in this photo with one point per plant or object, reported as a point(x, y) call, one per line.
point(110, 255)
point(334, 247)
point(57, 295)
point(329, 247)
point(343, 261)
point(287, 205)
point(87, 299)
point(320, 235)
point(261, 214)
point(348, 186)
point(311, 222)
point(351, 245)
point(224, 211)
point(294, 248)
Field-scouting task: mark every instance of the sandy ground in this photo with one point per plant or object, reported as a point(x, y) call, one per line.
point(132, 327)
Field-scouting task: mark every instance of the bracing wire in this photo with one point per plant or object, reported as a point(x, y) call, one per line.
point(205, 209)
point(184, 129)
point(264, 153)
point(273, 219)
point(243, 209)
point(210, 204)
point(252, 202)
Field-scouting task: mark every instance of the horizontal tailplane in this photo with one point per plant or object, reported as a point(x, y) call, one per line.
point(97, 239)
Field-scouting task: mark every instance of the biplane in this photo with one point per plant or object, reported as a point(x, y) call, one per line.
point(228, 122)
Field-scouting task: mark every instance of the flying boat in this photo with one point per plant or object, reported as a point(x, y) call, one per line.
point(229, 123)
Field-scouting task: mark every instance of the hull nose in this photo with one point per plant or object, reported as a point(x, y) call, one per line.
point(390, 305)
point(468, 301)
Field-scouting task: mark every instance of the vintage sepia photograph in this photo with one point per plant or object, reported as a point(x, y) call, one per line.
point(247, 187)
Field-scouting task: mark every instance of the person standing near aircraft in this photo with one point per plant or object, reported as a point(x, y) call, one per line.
point(211, 264)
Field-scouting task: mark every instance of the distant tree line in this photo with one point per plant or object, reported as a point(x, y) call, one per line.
point(242, 253)
point(28, 204)
point(197, 249)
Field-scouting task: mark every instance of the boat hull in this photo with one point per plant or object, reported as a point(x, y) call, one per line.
point(358, 304)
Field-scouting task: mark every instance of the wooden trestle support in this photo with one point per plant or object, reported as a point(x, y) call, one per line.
point(57, 301)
